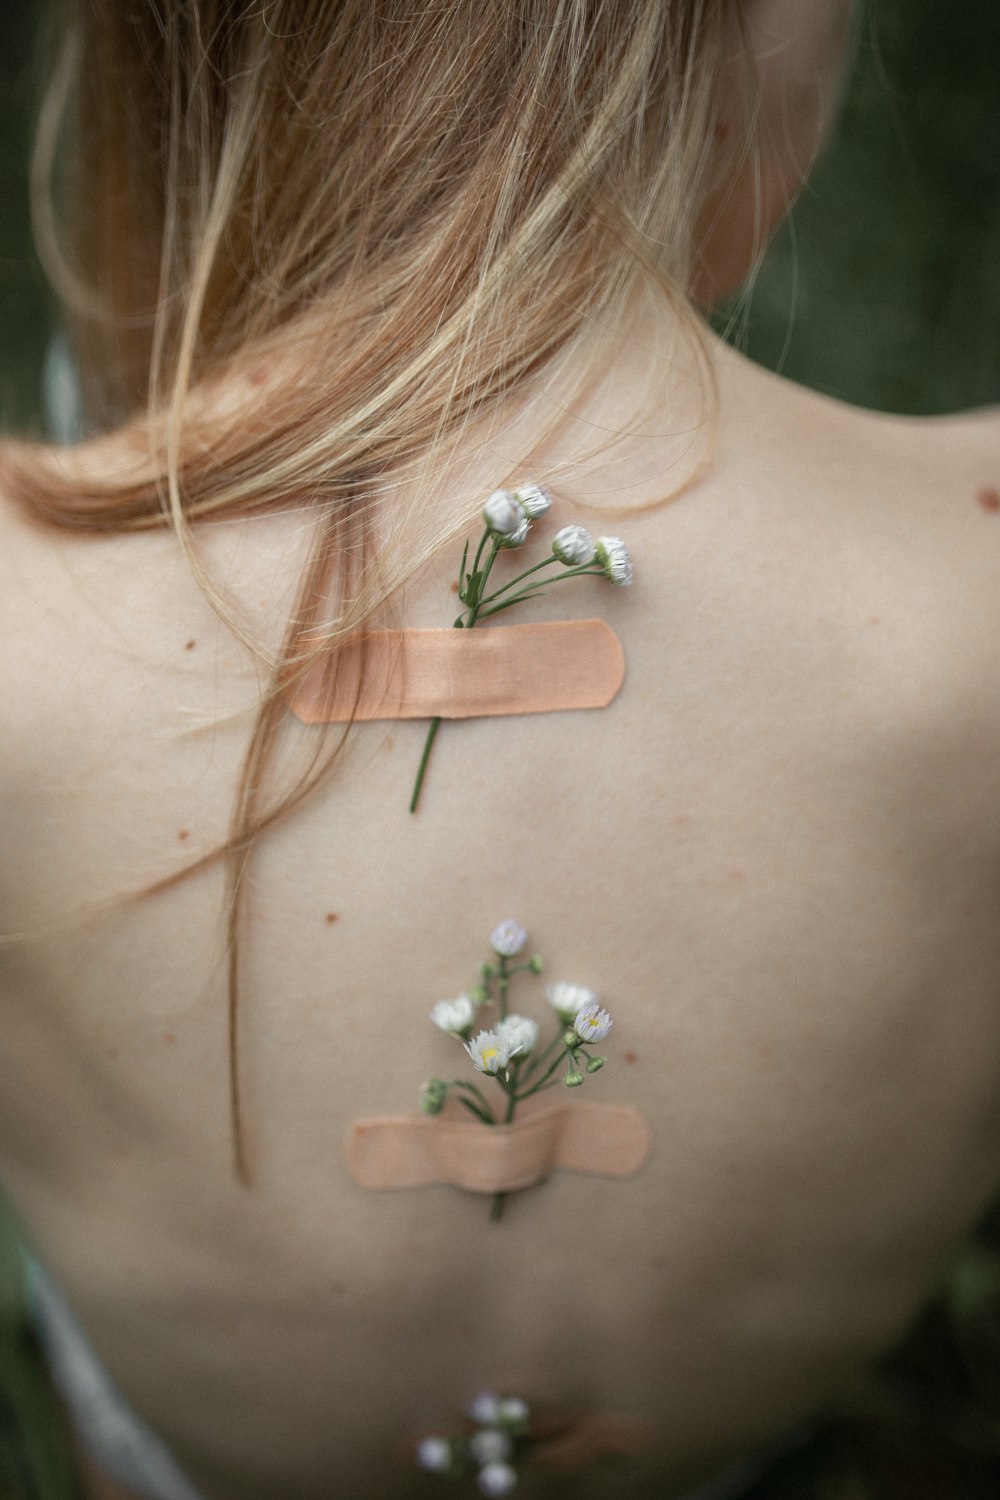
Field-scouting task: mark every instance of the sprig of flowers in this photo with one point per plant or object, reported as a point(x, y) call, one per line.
point(500, 1440)
point(508, 1051)
point(507, 518)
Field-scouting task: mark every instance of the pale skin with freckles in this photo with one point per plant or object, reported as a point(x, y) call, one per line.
point(776, 858)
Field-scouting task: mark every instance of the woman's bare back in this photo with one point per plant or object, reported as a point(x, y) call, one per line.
point(776, 856)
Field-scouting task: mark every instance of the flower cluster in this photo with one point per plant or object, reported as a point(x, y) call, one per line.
point(507, 518)
point(508, 1051)
point(492, 1449)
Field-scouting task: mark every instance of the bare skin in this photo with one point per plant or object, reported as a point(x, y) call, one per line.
point(776, 856)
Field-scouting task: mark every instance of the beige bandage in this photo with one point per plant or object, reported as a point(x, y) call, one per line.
point(609, 1140)
point(465, 674)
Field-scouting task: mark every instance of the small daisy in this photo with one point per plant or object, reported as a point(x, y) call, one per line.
point(591, 1023)
point(574, 546)
point(520, 1033)
point(455, 1016)
point(497, 1479)
point(490, 1446)
point(434, 1454)
point(613, 557)
point(502, 514)
point(568, 999)
point(508, 939)
point(485, 1408)
point(490, 1052)
point(533, 500)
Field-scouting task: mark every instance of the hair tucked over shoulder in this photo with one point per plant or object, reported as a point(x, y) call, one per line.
point(400, 212)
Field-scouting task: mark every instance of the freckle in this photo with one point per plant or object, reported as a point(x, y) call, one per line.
point(389, 742)
point(736, 874)
point(331, 917)
point(190, 645)
point(681, 818)
point(466, 1332)
point(454, 586)
point(630, 1057)
point(259, 376)
point(183, 834)
point(989, 498)
point(873, 619)
point(169, 1038)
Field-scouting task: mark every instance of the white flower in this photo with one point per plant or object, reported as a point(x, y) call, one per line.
point(485, 1408)
point(520, 1034)
point(512, 1411)
point(591, 1023)
point(567, 999)
point(517, 537)
point(497, 1479)
point(614, 559)
point(508, 939)
point(434, 1453)
point(490, 1052)
point(533, 500)
point(502, 513)
point(490, 1446)
point(574, 546)
point(455, 1016)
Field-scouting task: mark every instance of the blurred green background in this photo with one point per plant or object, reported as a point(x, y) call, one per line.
point(882, 289)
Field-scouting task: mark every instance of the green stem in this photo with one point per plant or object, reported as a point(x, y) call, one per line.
point(539, 588)
point(504, 982)
point(536, 1062)
point(546, 562)
point(567, 1050)
point(463, 1083)
point(425, 757)
point(499, 1199)
point(486, 1119)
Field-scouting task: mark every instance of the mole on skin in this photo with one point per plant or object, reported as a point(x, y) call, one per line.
point(331, 917)
point(190, 645)
point(182, 834)
point(989, 498)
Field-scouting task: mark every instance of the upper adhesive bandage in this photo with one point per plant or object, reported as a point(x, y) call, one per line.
point(537, 668)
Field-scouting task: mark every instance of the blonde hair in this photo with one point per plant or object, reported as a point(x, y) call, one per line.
point(403, 211)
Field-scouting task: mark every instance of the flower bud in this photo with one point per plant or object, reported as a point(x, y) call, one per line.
point(502, 514)
point(574, 546)
point(517, 537)
point(533, 500)
point(573, 1080)
point(612, 554)
point(433, 1096)
point(595, 1064)
point(479, 994)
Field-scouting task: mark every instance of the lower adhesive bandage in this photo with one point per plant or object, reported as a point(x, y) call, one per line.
point(609, 1140)
point(538, 668)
